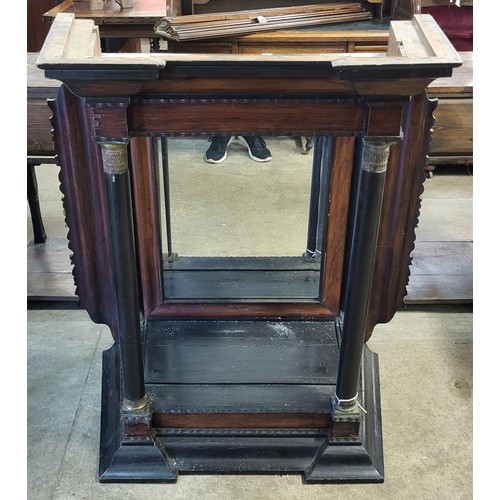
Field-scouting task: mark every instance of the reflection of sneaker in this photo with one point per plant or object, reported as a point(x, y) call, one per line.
point(257, 149)
point(216, 153)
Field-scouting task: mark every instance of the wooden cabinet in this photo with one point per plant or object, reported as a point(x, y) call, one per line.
point(270, 380)
point(37, 28)
point(39, 90)
point(452, 141)
point(40, 143)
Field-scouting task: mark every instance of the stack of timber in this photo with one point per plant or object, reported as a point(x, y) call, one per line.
point(243, 22)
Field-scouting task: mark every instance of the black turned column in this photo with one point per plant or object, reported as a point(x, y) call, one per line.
point(372, 165)
point(115, 165)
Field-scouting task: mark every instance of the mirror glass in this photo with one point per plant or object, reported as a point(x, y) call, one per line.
point(239, 229)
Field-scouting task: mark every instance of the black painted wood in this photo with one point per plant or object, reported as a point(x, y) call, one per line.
point(241, 264)
point(119, 462)
point(232, 278)
point(125, 280)
point(245, 352)
point(309, 452)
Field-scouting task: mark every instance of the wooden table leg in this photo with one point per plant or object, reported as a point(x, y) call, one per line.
point(39, 235)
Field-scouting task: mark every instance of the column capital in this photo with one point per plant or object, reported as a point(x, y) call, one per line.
point(375, 154)
point(114, 158)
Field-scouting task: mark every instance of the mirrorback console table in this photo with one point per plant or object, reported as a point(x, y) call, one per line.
point(213, 370)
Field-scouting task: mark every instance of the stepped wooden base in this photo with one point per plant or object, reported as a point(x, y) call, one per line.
point(256, 398)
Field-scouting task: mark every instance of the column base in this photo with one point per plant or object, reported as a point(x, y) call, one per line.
point(212, 427)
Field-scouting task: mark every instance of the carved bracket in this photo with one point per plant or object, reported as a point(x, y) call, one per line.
point(109, 119)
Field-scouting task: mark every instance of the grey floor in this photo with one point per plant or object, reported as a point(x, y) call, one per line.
point(425, 356)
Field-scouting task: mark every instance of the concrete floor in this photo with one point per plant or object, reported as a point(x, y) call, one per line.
point(425, 356)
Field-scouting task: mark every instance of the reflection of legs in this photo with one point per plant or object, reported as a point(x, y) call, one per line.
point(217, 153)
point(257, 148)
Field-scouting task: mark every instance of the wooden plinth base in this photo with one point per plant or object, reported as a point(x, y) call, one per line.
point(231, 397)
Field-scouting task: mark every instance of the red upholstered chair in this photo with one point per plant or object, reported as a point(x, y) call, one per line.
point(456, 23)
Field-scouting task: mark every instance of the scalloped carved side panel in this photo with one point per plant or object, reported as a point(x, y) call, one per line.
point(400, 212)
point(85, 206)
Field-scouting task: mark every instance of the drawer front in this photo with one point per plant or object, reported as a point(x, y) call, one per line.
point(453, 127)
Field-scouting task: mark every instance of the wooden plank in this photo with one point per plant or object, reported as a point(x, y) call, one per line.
point(350, 64)
point(49, 271)
point(430, 31)
point(405, 41)
point(51, 286)
point(55, 43)
point(450, 258)
point(37, 84)
point(453, 131)
point(438, 289)
point(441, 272)
point(462, 81)
point(256, 352)
point(200, 26)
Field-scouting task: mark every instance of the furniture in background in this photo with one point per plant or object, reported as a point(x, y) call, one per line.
point(267, 381)
point(37, 28)
point(456, 21)
point(139, 22)
point(452, 140)
point(48, 261)
point(116, 24)
point(40, 144)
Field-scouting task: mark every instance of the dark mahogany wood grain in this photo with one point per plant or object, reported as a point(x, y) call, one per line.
point(85, 207)
point(400, 212)
point(82, 181)
point(243, 421)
